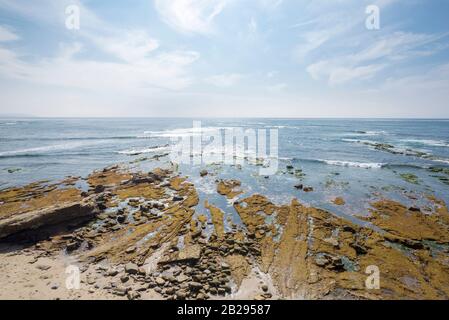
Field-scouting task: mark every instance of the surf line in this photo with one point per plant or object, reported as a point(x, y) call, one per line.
point(200, 311)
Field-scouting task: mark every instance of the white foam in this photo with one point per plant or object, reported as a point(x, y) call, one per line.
point(428, 142)
point(364, 165)
point(144, 150)
point(56, 147)
point(187, 132)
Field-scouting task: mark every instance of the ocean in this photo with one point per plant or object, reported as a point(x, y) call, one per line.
point(360, 160)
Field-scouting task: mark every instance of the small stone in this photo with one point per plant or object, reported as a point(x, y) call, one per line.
point(321, 261)
point(131, 268)
point(133, 295)
point(339, 201)
point(112, 273)
point(120, 291)
point(72, 246)
point(131, 250)
point(43, 267)
point(99, 188)
point(204, 173)
point(181, 295)
point(160, 281)
point(195, 286)
point(182, 278)
point(201, 296)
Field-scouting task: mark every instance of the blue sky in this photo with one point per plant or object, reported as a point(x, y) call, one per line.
point(224, 58)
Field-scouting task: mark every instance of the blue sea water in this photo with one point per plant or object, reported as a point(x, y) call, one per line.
point(338, 157)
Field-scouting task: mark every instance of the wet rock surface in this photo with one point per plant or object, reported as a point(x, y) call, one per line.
point(137, 233)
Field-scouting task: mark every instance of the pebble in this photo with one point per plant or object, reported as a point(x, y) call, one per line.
point(131, 268)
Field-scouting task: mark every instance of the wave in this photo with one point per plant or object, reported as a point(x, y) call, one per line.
point(44, 150)
point(133, 152)
point(370, 133)
point(364, 165)
point(77, 138)
point(428, 142)
point(186, 132)
point(53, 155)
point(344, 163)
point(366, 142)
point(441, 160)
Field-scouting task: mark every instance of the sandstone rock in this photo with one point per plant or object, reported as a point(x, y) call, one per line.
point(190, 253)
point(77, 211)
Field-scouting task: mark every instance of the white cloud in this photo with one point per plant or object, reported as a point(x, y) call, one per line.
point(190, 16)
point(129, 46)
point(163, 71)
point(135, 62)
point(7, 35)
point(368, 62)
point(340, 74)
point(225, 80)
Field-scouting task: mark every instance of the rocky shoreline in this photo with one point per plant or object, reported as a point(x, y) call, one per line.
point(138, 235)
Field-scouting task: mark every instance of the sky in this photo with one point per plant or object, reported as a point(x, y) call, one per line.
point(224, 58)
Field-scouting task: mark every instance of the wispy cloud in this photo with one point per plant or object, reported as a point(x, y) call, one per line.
point(190, 16)
point(370, 60)
point(311, 57)
point(135, 61)
point(7, 35)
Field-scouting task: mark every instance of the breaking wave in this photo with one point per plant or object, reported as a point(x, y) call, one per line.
point(132, 152)
point(364, 165)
